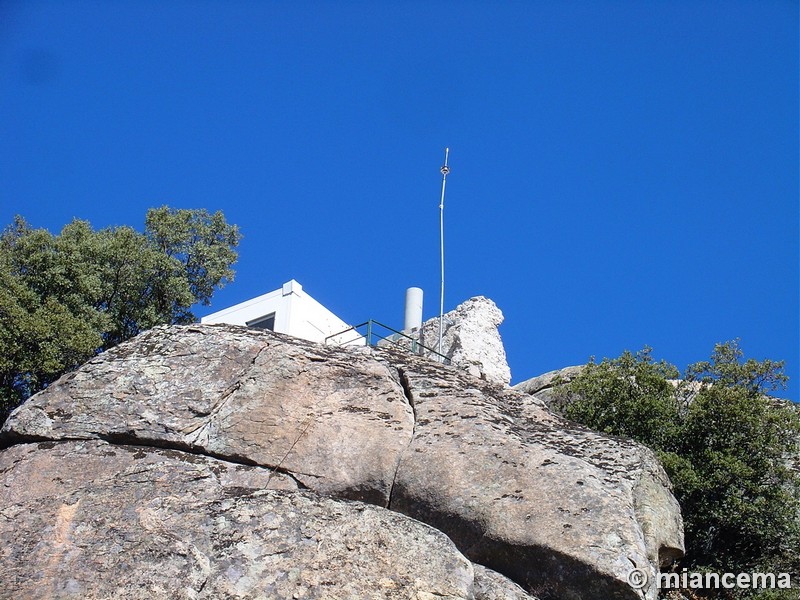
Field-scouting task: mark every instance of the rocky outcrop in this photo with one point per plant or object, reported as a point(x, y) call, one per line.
point(337, 421)
point(562, 511)
point(490, 585)
point(544, 387)
point(93, 520)
point(525, 492)
point(470, 339)
point(548, 380)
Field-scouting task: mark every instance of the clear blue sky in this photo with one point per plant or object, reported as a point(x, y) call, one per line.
point(624, 173)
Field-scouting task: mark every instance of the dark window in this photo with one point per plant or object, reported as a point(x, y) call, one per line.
point(267, 322)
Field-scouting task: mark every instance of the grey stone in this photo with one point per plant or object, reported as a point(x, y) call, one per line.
point(545, 387)
point(490, 585)
point(94, 521)
point(534, 385)
point(337, 420)
point(470, 339)
point(562, 511)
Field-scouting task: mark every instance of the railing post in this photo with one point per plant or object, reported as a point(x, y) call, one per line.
point(369, 332)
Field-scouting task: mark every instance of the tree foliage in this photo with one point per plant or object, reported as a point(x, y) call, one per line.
point(725, 443)
point(65, 297)
point(630, 395)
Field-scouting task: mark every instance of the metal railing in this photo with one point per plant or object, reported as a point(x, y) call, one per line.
point(375, 334)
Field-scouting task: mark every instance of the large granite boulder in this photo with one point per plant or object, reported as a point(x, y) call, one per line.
point(470, 339)
point(490, 585)
point(562, 511)
point(545, 387)
point(549, 380)
point(91, 520)
point(336, 420)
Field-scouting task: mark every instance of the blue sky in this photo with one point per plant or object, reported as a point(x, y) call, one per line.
point(623, 173)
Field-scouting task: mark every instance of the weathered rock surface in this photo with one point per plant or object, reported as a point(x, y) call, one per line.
point(470, 339)
point(557, 508)
point(91, 520)
point(543, 386)
point(251, 396)
point(490, 585)
point(527, 493)
point(534, 385)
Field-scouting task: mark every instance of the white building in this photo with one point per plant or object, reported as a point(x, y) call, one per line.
point(287, 310)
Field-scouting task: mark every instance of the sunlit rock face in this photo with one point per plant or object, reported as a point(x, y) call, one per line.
point(470, 339)
point(98, 520)
point(248, 464)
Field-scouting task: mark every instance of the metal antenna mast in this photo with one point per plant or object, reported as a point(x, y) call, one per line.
point(445, 170)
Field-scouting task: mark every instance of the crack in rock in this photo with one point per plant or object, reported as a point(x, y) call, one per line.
point(405, 384)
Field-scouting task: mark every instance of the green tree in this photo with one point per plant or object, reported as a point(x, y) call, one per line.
point(65, 297)
point(630, 396)
point(725, 443)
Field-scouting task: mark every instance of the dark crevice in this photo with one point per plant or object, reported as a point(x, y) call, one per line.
point(13, 438)
point(129, 439)
point(406, 385)
point(290, 475)
point(409, 396)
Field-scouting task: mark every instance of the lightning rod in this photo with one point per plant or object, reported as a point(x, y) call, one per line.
point(444, 170)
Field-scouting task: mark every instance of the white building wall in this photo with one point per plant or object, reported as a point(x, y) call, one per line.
point(244, 312)
point(296, 313)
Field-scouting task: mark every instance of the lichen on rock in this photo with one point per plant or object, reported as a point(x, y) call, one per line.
point(184, 429)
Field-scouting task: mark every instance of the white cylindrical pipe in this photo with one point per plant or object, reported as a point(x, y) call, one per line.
point(413, 314)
